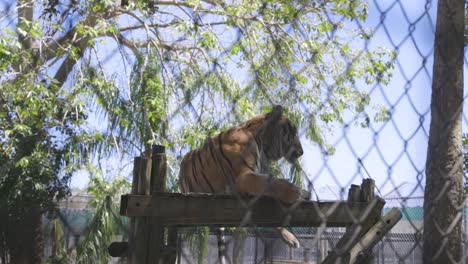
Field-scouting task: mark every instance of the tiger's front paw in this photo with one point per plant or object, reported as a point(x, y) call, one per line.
point(286, 192)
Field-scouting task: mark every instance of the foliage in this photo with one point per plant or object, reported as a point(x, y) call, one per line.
point(197, 239)
point(42, 137)
point(240, 235)
point(93, 249)
point(106, 223)
point(41, 140)
point(185, 65)
point(102, 189)
point(195, 65)
point(195, 72)
point(59, 254)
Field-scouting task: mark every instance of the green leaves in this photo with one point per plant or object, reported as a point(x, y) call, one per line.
point(100, 189)
point(351, 9)
point(38, 150)
point(208, 40)
point(29, 29)
point(9, 52)
point(104, 226)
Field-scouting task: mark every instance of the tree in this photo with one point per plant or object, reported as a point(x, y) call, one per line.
point(193, 68)
point(40, 146)
point(465, 161)
point(41, 139)
point(443, 198)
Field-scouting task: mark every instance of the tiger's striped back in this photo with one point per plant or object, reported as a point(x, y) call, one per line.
point(249, 147)
point(213, 168)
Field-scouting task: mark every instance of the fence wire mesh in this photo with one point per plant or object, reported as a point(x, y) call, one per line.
point(355, 77)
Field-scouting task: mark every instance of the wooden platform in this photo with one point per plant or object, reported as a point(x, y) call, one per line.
point(179, 209)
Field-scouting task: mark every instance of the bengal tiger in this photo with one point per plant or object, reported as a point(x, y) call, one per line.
point(238, 160)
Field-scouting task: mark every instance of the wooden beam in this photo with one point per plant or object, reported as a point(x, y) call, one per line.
point(229, 210)
point(364, 194)
point(140, 242)
point(375, 234)
point(158, 184)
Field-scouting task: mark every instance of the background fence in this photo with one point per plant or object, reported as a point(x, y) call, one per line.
point(402, 245)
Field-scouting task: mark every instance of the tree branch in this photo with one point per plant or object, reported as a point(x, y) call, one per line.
point(25, 13)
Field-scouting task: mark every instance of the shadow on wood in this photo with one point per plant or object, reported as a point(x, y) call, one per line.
point(228, 210)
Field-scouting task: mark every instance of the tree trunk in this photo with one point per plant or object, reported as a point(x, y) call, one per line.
point(443, 199)
point(24, 238)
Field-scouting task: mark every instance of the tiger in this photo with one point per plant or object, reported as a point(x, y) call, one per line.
point(238, 161)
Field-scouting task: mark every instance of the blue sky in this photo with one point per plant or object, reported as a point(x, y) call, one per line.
point(394, 153)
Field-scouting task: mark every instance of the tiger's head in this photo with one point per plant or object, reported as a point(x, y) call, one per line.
point(280, 137)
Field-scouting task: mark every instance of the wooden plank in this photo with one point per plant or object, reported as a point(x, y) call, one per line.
point(375, 234)
point(229, 210)
point(367, 194)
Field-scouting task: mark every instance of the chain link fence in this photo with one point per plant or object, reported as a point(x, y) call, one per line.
point(390, 148)
point(355, 77)
point(402, 245)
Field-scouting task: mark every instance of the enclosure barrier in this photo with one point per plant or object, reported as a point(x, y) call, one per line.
point(151, 210)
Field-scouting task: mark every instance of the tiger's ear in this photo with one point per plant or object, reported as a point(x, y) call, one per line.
point(275, 114)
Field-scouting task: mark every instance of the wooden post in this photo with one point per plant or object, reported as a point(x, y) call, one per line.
point(156, 250)
point(140, 242)
point(365, 194)
point(354, 194)
point(158, 174)
point(131, 227)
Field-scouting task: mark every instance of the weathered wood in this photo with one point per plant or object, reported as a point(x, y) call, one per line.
point(144, 180)
point(367, 190)
point(341, 253)
point(354, 194)
point(375, 234)
point(367, 218)
point(367, 194)
point(136, 174)
point(228, 210)
point(131, 226)
point(140, 243)
point(158, 184)
point(158, 174)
